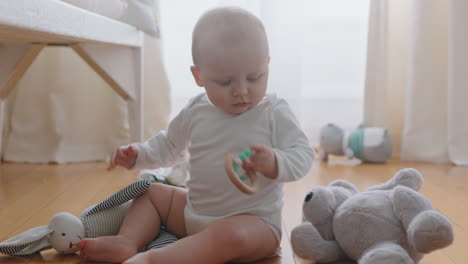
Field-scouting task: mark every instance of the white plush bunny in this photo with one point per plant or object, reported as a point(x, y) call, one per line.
point(65, 230)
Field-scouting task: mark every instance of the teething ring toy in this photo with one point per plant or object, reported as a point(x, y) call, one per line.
point(231, 165)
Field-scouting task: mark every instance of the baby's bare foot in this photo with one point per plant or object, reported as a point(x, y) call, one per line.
point(107, 249)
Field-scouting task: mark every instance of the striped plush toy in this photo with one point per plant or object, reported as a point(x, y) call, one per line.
point(65, 229)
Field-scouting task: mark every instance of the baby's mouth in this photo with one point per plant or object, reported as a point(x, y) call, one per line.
point(242, 104)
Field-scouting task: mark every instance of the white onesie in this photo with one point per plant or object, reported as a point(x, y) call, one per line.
point(209, 133)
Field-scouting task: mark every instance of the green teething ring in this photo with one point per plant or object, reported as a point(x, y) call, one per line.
point(231, 169)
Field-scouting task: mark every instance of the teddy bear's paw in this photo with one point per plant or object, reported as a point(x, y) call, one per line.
point(408, 177)
point(430, 231)
point(386, 253)
point(308, 243)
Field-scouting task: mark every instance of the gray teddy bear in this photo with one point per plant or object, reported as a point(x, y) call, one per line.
point(369, 144)
point(387, 224)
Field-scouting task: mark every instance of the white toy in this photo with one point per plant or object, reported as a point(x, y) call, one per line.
point(387, 224)
point(65, 230)
point(369, 144)
point(176, 175)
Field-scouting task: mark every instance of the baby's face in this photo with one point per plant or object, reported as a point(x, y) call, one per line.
point(235, 78)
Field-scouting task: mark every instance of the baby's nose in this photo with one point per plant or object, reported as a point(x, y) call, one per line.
point(240, 88)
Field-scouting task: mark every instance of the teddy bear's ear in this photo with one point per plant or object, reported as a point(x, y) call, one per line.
point(26, 243)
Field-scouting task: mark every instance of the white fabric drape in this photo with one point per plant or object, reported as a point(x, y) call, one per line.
point(317, 50)
point(387, 66)
point(457, 121)
point(422, 77)
point(62, 111)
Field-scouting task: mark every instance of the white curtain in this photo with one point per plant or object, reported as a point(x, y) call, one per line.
point(387, 67)
point(317, 48)
point(421, 78)
point(62, 111)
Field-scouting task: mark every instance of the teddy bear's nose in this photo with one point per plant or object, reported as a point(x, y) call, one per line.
point(309, 196)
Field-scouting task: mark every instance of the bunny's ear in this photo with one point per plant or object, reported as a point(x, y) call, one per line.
point(128, 193)
point(29, 242)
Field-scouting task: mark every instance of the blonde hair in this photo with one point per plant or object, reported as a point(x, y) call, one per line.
point(228, 25)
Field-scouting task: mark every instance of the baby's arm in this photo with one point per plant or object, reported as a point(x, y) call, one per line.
point(292, 149)
point(291, 156)
point(167, 147)
point(162, 150)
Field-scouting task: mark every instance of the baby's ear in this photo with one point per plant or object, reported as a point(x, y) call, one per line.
point(196, 75)
point(26, 243)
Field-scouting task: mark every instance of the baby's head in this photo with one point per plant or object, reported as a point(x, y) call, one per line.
point(230, 56)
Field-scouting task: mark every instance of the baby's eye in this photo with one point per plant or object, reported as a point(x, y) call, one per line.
point(254, 79)
point(224, 83)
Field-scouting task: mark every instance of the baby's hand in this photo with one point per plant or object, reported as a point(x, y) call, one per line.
point(263, 161)
point(125, 157)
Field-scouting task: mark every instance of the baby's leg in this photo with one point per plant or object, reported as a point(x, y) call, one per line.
point(159, 205)
point(240, 238)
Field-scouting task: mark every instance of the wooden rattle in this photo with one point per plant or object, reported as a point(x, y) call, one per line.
point(233, 165)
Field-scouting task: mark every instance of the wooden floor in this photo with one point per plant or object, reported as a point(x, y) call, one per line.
point(31, 193)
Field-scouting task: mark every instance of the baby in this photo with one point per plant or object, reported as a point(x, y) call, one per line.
point(215, 221)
